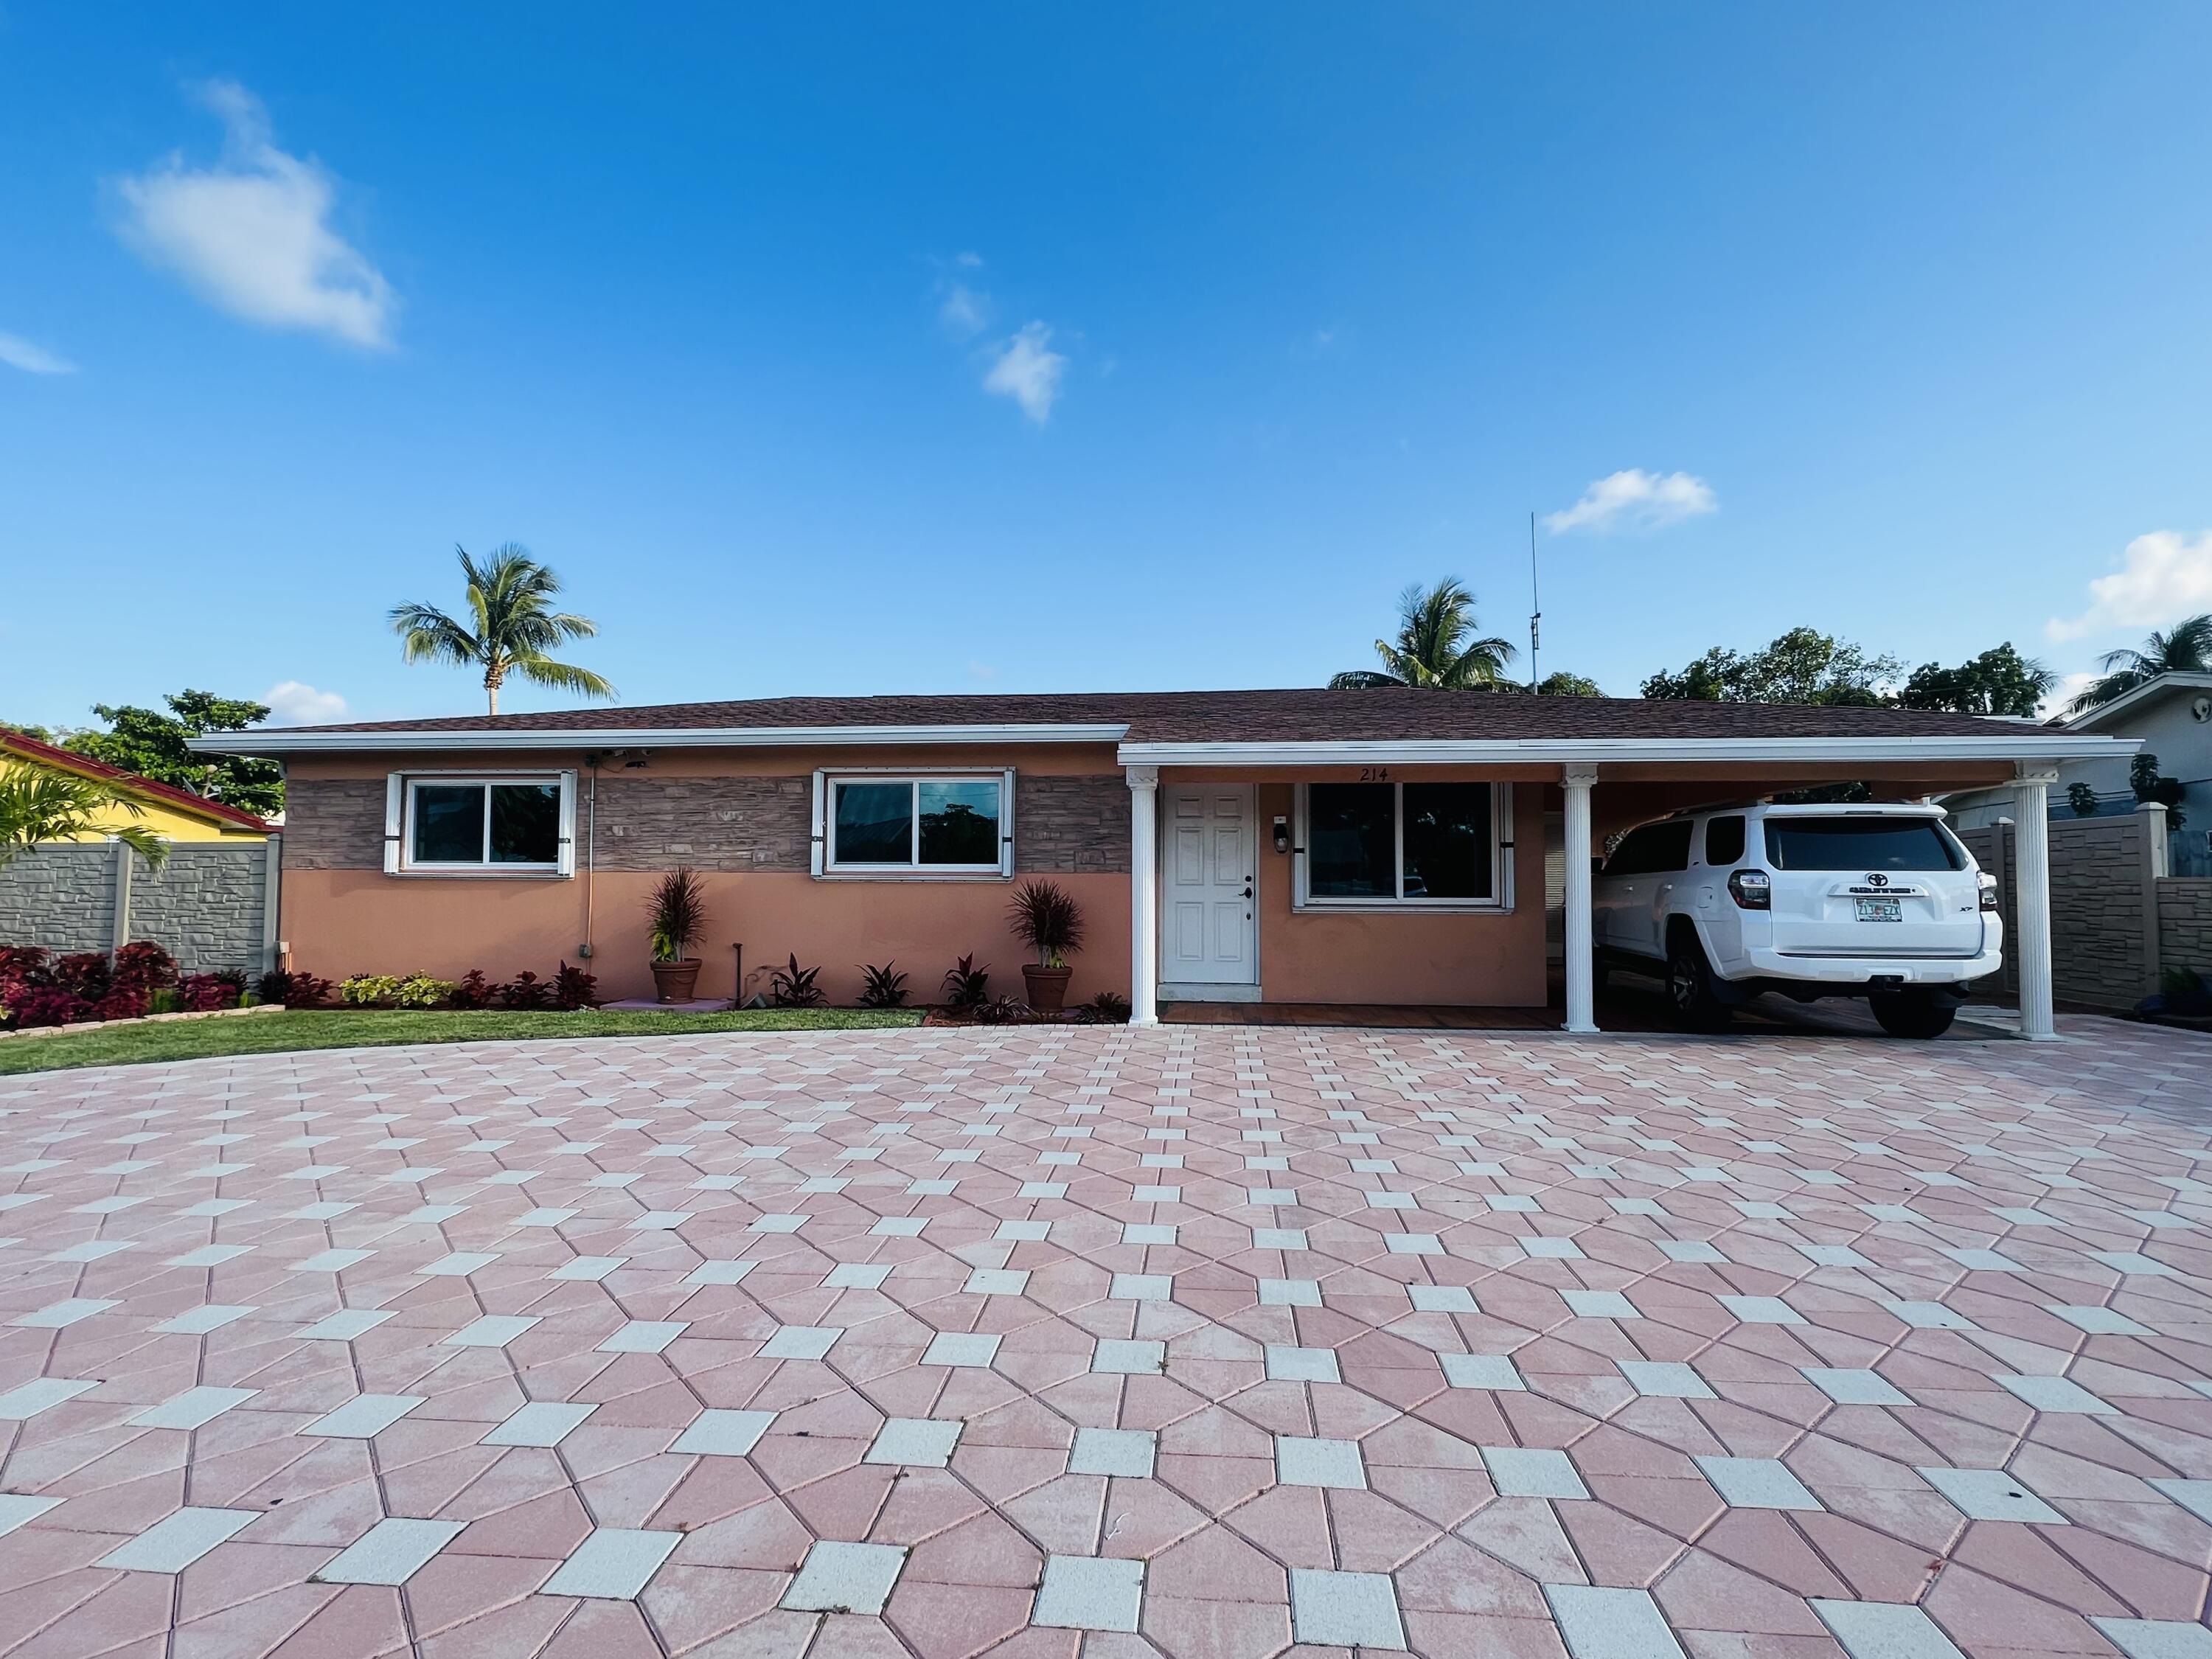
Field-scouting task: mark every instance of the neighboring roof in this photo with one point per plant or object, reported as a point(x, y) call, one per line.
point(1173, 727)
point(2157, 689)
point(184, 800)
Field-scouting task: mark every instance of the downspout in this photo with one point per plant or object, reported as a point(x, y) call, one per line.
point(590, 849)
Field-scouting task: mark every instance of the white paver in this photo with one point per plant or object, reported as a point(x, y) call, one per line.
point(612, 1564)
point(1081, 1592)
point(839, 1577)
point(1345, 1609)
point(389, 1553)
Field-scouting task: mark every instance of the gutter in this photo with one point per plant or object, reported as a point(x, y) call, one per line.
point(2041, 746)
point(403, 740)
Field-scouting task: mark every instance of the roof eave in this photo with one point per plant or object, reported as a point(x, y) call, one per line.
point(2150, 690)
point(2042, 746)
point(410, 740)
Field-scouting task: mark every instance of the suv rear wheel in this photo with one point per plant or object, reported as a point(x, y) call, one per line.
point(1914, 1014)
point(1690, 984)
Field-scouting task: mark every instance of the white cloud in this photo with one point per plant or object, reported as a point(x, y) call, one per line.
point(251, 233)
point(1635, 500)
point(2069, 687)
point(965, 311)
point(32, 359)
point(1029, 371)
point(293, 703)
point(2161, 577)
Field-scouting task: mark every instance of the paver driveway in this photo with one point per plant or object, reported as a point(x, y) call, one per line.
point(1199, 1342)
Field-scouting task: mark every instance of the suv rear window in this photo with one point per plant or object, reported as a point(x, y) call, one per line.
point(1861, 843)
point(1654, 848)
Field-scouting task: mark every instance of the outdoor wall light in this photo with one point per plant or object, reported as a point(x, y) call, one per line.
point(1282, 835)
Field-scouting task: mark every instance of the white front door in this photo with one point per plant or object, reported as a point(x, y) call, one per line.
point(1206, 907)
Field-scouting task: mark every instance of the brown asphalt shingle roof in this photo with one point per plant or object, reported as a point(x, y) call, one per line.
point(1253, 716)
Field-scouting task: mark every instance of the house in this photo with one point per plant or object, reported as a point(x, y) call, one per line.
point(2169, 716)
point(164, 810)
point(212, 904)
point(1376, 847)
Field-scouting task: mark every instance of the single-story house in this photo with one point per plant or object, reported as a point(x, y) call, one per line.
point(1372, 846)
point(2169, 716)
point(164, 810)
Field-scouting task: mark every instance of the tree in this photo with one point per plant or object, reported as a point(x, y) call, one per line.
point(511, 626)
point(1998, 682)
point(43, 733)
point(1564, 684)
point(1803, 665)
point(38, 804)
point(2184, 648)
point(152, 745)
point(1434, 649)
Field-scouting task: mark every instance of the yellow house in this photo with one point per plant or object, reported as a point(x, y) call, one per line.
point(166, 811)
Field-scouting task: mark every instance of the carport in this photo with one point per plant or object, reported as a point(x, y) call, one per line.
point(1603, 767)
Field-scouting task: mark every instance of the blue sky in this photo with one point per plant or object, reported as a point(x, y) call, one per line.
point(897, 349)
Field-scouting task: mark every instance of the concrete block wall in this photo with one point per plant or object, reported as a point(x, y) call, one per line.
point(2105, 943)
point(2185, 923)
point(208, 906)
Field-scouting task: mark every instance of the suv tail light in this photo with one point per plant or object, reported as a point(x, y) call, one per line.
point(1752, 889)
point(1989, 885)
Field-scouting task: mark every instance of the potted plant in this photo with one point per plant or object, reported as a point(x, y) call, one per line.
point(1049, 922)
point(679, 909)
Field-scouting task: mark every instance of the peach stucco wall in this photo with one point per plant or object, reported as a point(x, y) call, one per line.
point(1393, 956)
point(347, 922)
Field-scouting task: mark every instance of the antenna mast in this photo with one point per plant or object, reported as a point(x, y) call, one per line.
point(1536, 605)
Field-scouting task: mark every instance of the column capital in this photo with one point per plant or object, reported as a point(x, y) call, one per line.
point(1579, 775)
point(2027, 775)
point(1141, 777)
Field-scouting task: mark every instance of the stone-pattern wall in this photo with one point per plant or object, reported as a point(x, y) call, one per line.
point(60, 896)
point(709, 823)
point(334, 823)
point(206, 906)
point(2101, 950)
point(2185, 923)
point(1072, 826)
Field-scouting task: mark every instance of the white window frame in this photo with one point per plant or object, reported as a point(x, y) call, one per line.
point(1501, 856)
point(399, 824)
point(826, 868)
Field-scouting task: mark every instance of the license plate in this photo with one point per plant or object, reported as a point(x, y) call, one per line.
point(1882, 909)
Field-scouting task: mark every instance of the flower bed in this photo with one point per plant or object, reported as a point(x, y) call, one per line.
point(39, 990)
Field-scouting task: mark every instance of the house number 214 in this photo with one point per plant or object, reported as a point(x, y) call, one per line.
point(1375, 775)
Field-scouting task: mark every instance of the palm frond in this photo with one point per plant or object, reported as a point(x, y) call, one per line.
point(38, 805)
point(563, 677)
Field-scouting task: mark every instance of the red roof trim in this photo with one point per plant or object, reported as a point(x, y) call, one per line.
point(31, 749)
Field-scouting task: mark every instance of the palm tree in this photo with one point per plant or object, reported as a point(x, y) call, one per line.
point(38, 805)
point(1433, 648)
point(2185, 649)
point(513, 627)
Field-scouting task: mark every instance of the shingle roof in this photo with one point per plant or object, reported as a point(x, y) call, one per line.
point(30, 748)
point(1304, 714)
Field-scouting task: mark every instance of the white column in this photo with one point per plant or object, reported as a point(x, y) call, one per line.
point(1582, 1009)
point(1143, 895)
point(2032, 901)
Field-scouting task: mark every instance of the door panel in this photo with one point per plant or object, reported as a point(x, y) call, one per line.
point(1206, 890)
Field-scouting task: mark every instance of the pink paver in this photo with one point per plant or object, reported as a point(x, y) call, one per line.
point(1442, 1328)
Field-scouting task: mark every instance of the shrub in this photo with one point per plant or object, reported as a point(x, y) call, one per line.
point(420, 991)
point(794, 987)
point(123, 1002)
point(367, 990)
point(882, 987)
point(294, 989)
point(965, 984)
point(525, 991)
point(1046, 920)
point(203, 993)
point(85, 976)
point(574, 988)
point(474, 990)
point(164, 1001)
point(22, 968)
point(143, 965)
point(48, 1005)
point(1107, 1008)
point(678, 914)
point(1003, 1011)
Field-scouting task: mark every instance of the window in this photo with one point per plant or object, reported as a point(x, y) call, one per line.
point(1655, 848)
point(1861, 843)
point(874, 823)
point(511, 825)
point(1401, 845)
point(1723, 841)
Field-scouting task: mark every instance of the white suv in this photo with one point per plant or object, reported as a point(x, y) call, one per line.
point(1881, 902)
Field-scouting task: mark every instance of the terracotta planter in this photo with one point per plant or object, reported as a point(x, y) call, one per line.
point(1046, 986)
point(676, 981)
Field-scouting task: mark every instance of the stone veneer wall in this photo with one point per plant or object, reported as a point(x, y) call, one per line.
point(1062, 825)
point(2103, 940)
point(2185, 923)
point(207, 906)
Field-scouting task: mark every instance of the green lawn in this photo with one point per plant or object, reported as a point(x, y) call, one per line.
point(270, 1034)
